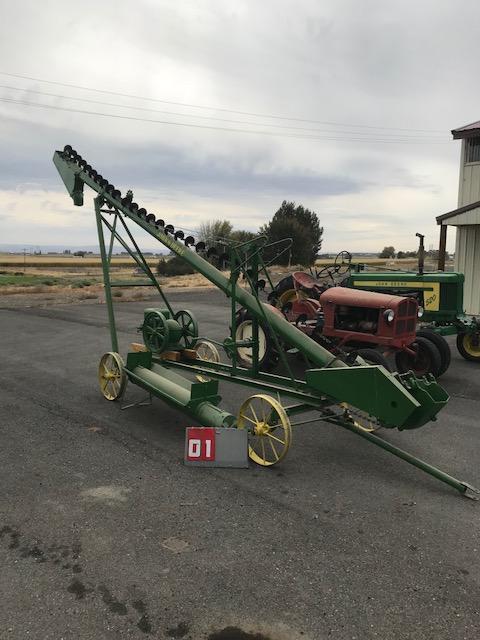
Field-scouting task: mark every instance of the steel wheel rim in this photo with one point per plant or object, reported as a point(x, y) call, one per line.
point(361, 420)
point(244, 332)
point(111, 375)
point(270, 430)
point(155, 331)
point(189, 327)
point(470, 348)
point(289, 296)
point(209, 353)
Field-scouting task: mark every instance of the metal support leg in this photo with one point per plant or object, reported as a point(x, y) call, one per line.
point(106, 276)
point(466, 489)
point(146, 402)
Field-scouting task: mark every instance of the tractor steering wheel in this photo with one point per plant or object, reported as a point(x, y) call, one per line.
point(343, 262)
point(339, 269)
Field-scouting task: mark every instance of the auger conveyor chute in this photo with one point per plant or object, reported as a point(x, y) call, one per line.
point(330, 386)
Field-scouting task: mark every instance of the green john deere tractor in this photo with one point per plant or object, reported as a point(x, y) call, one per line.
point(440, 293)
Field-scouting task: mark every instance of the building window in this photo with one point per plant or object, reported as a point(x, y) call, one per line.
point(472, 150)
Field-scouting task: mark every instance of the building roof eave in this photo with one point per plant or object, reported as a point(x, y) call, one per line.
point(471, 130)
point(450, 214)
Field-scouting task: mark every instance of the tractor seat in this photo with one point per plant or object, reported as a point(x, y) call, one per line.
point(304, 280)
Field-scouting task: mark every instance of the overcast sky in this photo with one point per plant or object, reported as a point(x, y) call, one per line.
point(393, 77)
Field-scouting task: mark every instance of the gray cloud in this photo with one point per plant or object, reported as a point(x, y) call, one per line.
point(381, 64)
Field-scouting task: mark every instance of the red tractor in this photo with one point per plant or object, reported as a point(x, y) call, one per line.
point(349, 323)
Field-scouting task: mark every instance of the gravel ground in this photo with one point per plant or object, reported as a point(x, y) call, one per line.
point(105, 534)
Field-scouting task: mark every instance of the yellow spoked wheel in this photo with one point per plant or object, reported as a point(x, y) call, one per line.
point(111, 375)
point(206, 351)
point(270, 429)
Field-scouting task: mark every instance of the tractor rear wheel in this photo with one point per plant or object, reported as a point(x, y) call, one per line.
point(372, 356)
point(467, 348)
point(442, 346)
point(426, 359)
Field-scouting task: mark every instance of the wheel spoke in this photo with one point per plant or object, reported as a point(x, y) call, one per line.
point(254, 414)
point(275, 438)
point(275, 426)
point(262, 406)
point(264, 455)
point(274, 450)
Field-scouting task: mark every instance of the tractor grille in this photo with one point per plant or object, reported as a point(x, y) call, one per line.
point(406, 318)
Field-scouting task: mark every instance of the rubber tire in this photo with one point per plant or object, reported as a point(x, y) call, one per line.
point(463, 352)
point(405, 362)
point(372, 356)
point(283, 285)
point(442, 346)
point(271, 357)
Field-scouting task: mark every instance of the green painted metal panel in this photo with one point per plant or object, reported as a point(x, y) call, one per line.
point(398, 401)
point(440, 292)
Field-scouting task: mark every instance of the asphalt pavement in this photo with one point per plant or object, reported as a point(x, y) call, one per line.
point(105, 534)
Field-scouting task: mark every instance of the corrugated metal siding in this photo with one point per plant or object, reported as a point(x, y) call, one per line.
point(467, 261)
point(472, 149)
point(460, 179)
point(470, 184)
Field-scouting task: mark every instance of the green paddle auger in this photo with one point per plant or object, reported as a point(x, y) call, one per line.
point(338, 392)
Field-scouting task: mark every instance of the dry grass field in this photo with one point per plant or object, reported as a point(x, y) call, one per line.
point(47, 279)
point(67, 262)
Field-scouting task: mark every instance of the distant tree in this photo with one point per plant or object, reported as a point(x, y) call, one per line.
point(299, 224)
point(175, 266)
point(401, 255)
point(213, 231)
point(242, 236)
point(387, 252)
point(80, 254)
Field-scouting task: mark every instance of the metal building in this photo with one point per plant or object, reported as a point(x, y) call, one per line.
point(466, 218)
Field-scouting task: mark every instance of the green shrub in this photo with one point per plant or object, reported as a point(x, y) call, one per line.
point(79, 284)
point(117, 293)
point(174, 267)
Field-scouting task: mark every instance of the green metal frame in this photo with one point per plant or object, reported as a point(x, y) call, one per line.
point(400, 401)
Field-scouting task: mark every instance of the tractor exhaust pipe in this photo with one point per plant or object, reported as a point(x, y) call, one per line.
point(421, 253)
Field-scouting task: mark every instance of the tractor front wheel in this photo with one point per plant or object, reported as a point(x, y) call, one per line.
point(468, 345)
point(425, 360)
point(442, 346)
point(371, 356)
